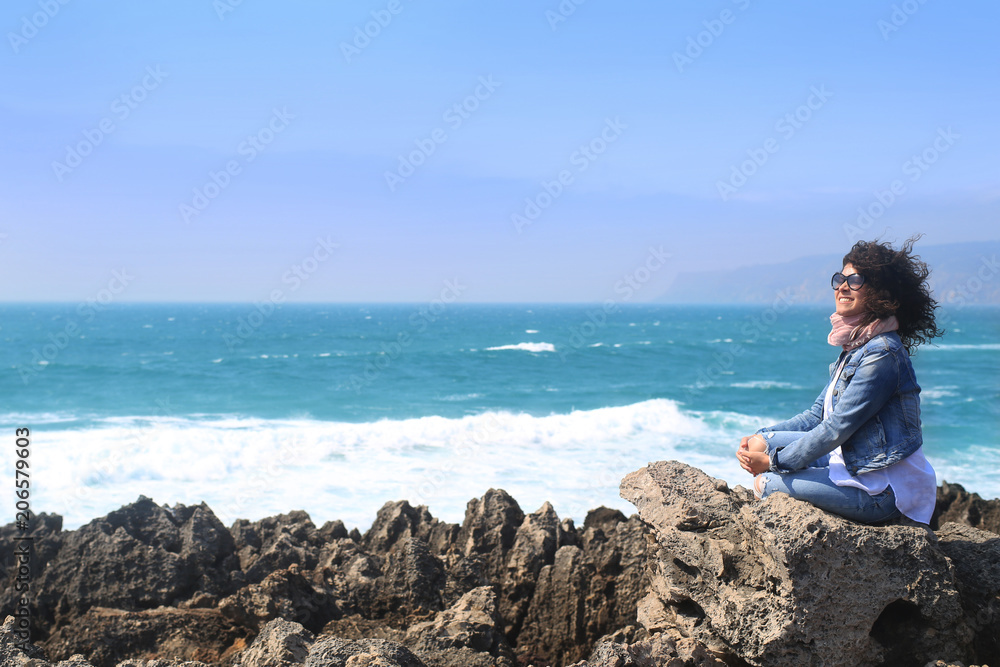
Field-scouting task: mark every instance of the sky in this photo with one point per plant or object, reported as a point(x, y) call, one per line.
point(380, 151)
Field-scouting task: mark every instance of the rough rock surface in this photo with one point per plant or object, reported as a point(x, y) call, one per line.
point(782, 582)
point(280, 643)
point(467, 634)
point(656, 651)
point(703, 574)
point(283, 594)
point(957, 505)
point(338, 652)
point(109, 636)
point(139, 557)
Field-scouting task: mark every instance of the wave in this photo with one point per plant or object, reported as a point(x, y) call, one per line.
point(765, 384)
point(527, 347)
point(938, 392)
point(980, 346)
point(252, 468)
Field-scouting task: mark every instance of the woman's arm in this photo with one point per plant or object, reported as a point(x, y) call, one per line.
point(804, 421)
point(874, 382)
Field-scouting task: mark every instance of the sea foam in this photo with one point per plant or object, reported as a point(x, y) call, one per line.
point(252, 468)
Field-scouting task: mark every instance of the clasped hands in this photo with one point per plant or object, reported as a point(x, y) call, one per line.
point(752, 455)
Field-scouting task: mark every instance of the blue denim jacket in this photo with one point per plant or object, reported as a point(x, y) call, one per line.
point(875, 418)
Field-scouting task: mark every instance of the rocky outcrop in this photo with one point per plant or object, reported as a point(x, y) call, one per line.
point(141, 556)
point(782, 582)
point(702, 576)
point(955, 504)
point(109, 636)
point(467, 634)
point(280, 643)
point(124, 586)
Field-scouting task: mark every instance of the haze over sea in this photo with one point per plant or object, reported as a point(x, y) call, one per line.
point(337, 409)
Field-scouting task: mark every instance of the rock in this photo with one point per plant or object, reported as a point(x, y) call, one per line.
point(488, 531)
point(956, 504)
point(975, 555)
point(407, 579)
point(467, 634)
point(338, 652)
point(138, 557)
point(781, 582)
point(332, 530)
point(280, 643)
point(617, 549)
point(590, 588)
point(356, 626)
point(276, 542)
point(413, 581)
point(349, 574)
point(108, 636)
point(399, 521)
point(283, 594)
point(555, 627)
point(658, 650)
point(14, 647)
point(534, 546)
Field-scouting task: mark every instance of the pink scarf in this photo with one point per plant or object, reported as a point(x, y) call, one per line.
point(849, 334)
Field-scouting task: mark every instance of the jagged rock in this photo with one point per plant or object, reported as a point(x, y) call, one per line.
point(276, 542)
point(15, 649)
point(138, 557)
point(975, 555)
point(108, 636)
point(779, 582)
point(406, 580)
point(488, 531)
point(656, 651)
point(956, 504)
point(332, 530)
point(45, 531)
point(399, 521)
point(349, 574)
point(555, 627)
point(589, 588)
point(467, 634)
point(356, 626)
point(338, 652)
point(617, 549)
point(534, 546)
point(283, 594)
point(280, 643)
point(414, 578)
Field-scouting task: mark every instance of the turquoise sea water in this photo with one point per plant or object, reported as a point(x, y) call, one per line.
point(336, 409)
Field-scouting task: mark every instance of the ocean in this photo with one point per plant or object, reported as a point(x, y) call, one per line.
point(337, 409)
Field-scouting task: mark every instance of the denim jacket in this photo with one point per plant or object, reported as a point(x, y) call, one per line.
point(875, 417)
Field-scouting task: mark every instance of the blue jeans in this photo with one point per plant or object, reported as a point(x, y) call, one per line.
point(813, 484)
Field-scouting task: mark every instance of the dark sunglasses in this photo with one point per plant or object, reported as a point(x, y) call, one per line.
point(854, 281)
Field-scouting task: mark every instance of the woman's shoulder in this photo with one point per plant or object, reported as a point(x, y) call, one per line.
point(884, 342)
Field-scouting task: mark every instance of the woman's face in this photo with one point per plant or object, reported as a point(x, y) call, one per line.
point(850, 302)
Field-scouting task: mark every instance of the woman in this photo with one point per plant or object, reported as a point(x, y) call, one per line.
point(858, 450)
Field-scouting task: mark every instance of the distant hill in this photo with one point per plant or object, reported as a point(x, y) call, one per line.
point(960, 273)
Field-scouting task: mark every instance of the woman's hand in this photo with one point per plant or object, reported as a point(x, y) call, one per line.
point(752, 455)
point(754, 462)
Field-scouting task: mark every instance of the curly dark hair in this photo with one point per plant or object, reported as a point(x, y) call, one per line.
point(896, 284)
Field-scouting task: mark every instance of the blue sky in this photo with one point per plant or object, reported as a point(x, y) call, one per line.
point(219, 151)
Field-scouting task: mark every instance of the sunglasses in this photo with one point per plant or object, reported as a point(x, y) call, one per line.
point(854, 281)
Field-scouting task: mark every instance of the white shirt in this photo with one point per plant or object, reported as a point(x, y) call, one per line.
point(912, 479)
